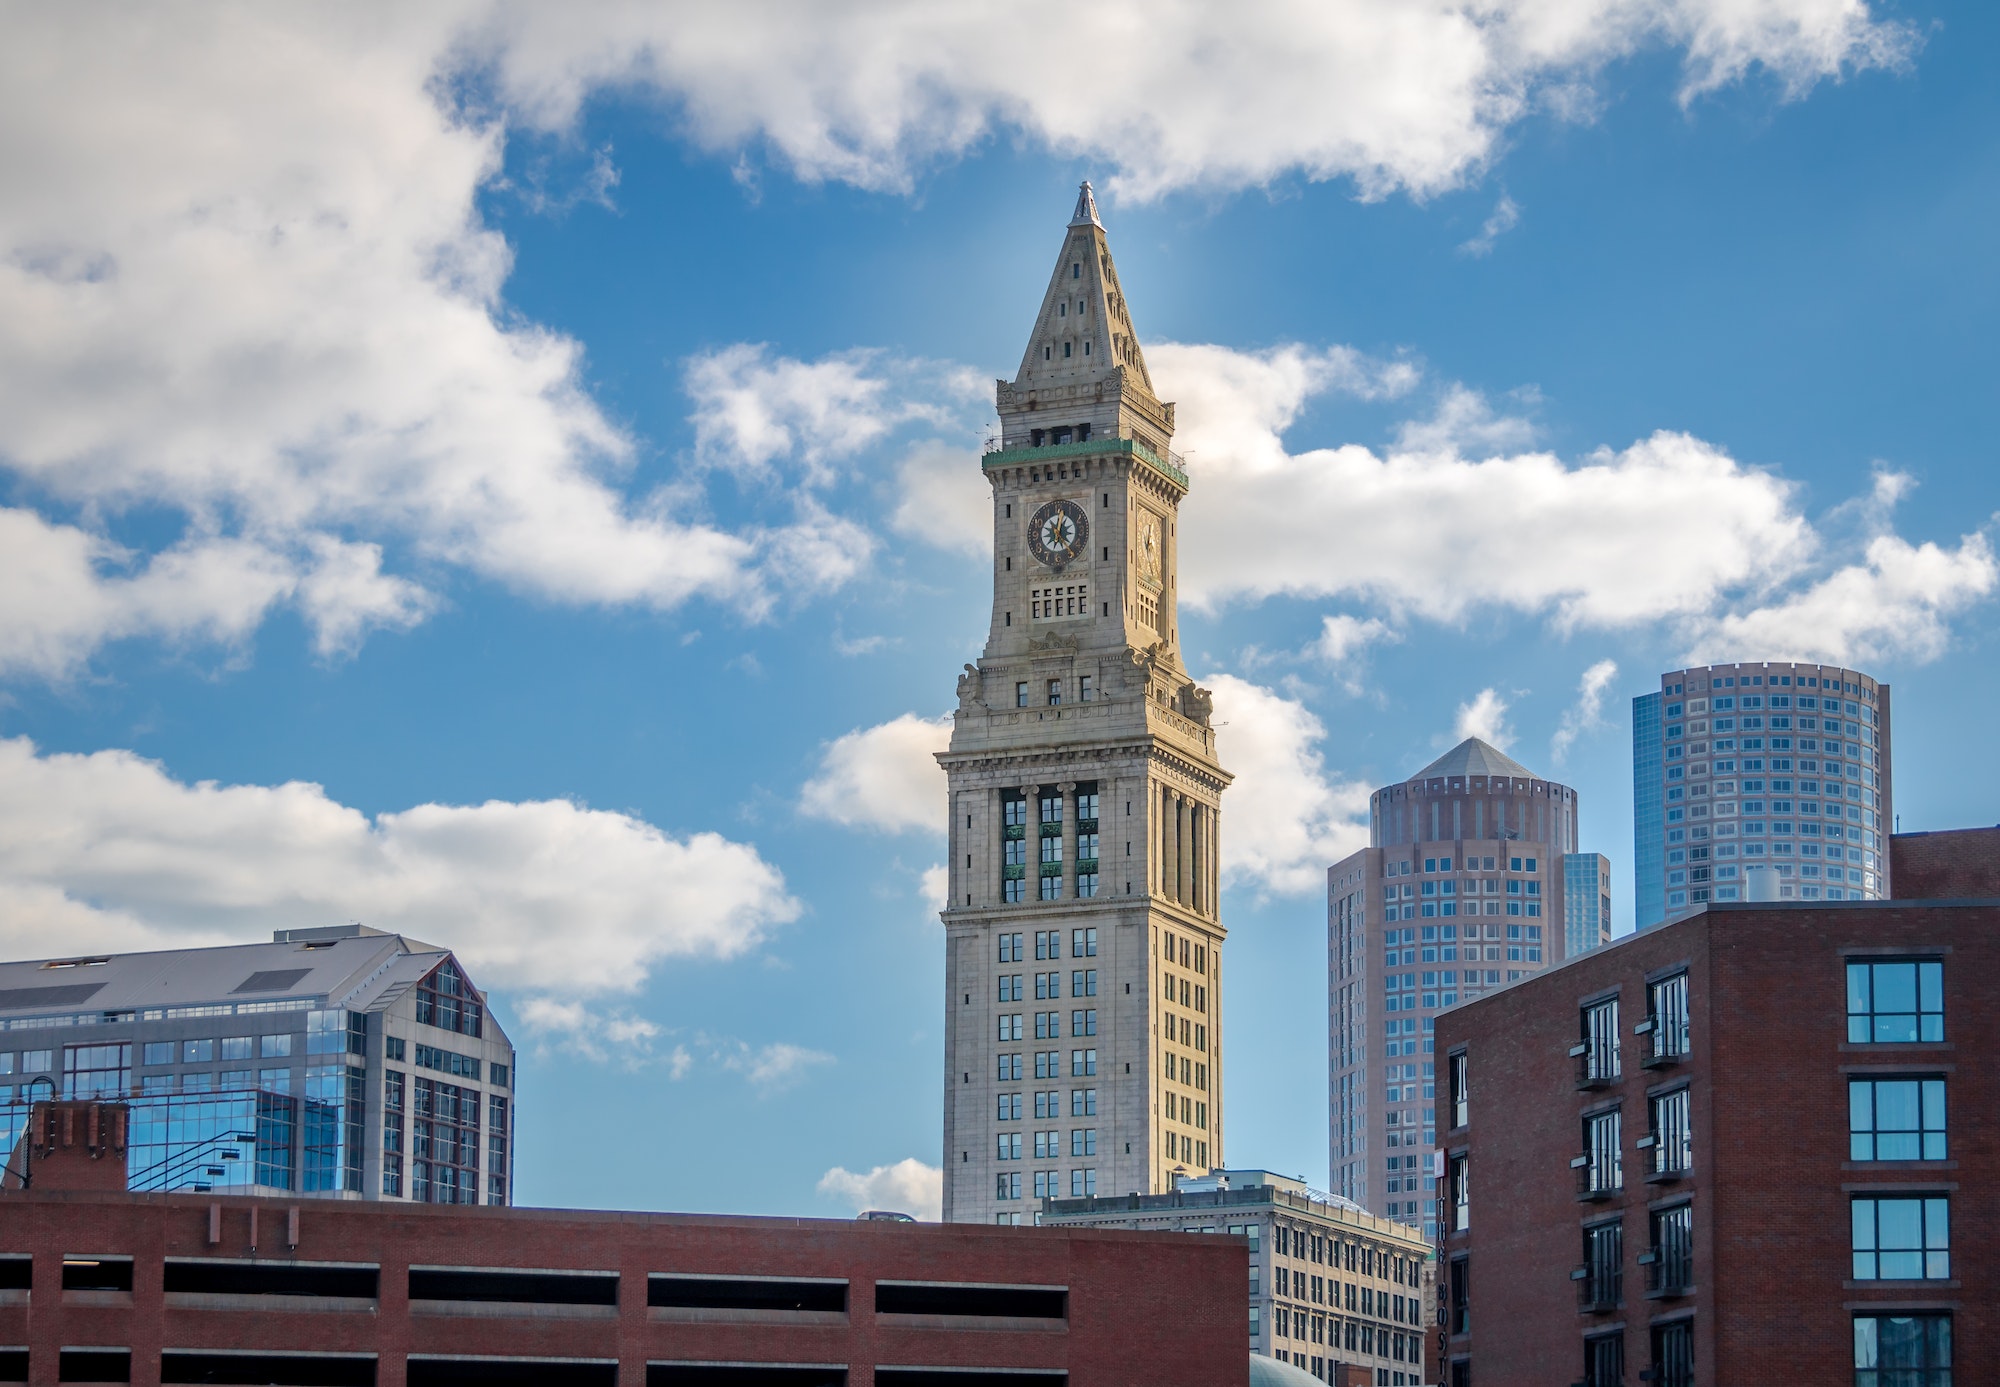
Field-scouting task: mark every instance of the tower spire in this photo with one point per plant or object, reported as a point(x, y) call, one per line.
point(1086, 208)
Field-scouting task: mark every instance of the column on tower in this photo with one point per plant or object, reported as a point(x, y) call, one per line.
point(1067, 789)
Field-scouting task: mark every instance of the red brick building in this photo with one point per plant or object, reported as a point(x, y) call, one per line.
point(99, 1285)
point(1754, 1145)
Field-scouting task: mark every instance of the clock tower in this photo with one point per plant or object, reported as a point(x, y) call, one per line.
point(1083, 965)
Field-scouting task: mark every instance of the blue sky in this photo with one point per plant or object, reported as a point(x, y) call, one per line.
point(517, 483)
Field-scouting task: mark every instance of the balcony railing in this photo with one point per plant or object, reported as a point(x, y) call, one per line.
point(1664, 1041)
point(1669, 1274)
point(1599, 1175)
point(1665, 1162)
point(1596, 1065)
point(1598, 1289)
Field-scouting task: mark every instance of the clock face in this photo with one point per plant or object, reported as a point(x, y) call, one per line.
point(1058, 533)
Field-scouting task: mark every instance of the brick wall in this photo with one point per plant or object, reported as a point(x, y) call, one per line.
point(1959, 864)
point(1162, 1309)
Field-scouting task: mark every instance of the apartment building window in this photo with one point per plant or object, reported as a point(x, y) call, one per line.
point(1596, 1052)
point(1672, 1140)
point(1669, 1262)
point(1667, 1018)
point(1673, 1355)
point(1895, 1001)
point(1601, 1278)
point(1600, 1169)
point(1460, 1112)
point(1461, 1194)
point(1902, 1238)
point(1896, 1119)
point(1458, 1306)
point(1604, 1360)
point(1902, 1351)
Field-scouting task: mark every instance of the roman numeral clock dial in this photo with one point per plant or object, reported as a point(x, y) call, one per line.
point(1057, 533)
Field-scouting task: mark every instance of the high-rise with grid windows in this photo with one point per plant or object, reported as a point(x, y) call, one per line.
point(1083, 965)
point(1461, 890)
point(1774, 765)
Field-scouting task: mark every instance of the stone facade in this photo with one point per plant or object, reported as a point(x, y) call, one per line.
point(1083, 953)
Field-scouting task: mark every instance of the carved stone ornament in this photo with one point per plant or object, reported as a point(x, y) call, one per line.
point(969, 690)
point(1051, 641)
point(1197, 703)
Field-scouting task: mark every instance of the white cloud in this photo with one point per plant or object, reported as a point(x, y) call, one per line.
point(1730, 558)
point(883, 777)
point(774, 1067)
point(245, 280)
point(1485, 718)
point(546, 898)
point(753, 410)
point(590, 1031)
point(1588, 714)
point(935, 885)
point(1285, 820)
point(1506, 215)
point(942, 499)
point(907, 1187)
point(1892, 604)
point(1390, 94)
point(1343, 643)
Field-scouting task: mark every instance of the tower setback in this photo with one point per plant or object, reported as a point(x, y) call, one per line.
point(1083, 1047)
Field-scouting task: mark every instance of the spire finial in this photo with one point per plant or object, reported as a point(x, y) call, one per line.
point(1086, 208)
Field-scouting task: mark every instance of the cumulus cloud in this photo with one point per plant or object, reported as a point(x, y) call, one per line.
point(907, 1187)
point(1485, 717)
point(1730, 557)
point(883, 777)
point(1588, 712)
point(1389, 94)
point(245, 280)
point(1894, 603)
point(545, 898)
point(1286, 819)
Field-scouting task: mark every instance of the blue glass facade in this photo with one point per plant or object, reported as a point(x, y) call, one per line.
point(1586, 902)
point(230, 1140)
point(1649, 872)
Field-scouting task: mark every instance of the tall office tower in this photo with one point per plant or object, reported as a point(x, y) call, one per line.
point(1083, 964)
point(342, 1062)
point(1586, 902)
point(1767, 764)
point(1461, 889)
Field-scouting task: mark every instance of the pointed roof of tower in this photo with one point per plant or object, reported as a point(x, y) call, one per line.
point(1086, 207)
point(1474, 757)
point(1084, 315)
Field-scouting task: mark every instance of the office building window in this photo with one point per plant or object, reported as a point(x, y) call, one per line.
point(1902, 1351)
point(1896, 1119)
point(1902, 1239)
point(1895, 1001)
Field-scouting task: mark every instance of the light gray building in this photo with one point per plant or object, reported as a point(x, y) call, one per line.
point(1083, 930)
point(341, 1062)
point(1330, 1283)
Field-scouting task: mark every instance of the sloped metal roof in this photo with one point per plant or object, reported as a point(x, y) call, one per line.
point(1474, 757)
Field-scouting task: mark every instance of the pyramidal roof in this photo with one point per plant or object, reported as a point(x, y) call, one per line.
point(1474, 757)
point(1083, 314)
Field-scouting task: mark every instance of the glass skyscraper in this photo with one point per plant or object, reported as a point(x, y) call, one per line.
point(341, 1062)
point(1586, 902)
point(1778, 765)
point(1649, 869)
